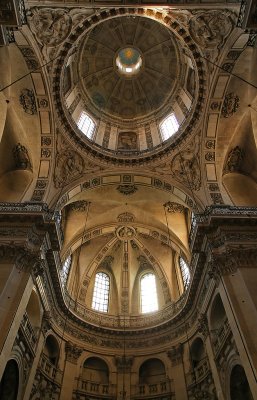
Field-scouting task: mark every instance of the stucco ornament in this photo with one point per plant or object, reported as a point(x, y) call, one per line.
point(185, 166)
point(69, 166)
point(209, 29)
point(50, 26)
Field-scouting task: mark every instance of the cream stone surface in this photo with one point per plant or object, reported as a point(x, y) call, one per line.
point(127, 203)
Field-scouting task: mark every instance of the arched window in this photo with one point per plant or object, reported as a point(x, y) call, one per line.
point(66, 269)
point(100, 300)
point(148, 293)
point(86, 125)
point(169, 126)
point(185, 273)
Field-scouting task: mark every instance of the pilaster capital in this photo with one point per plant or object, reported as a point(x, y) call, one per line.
point(175, 354)
point(124, 363)
point(202, 325)
point(73, 352)
point(232, 258)
point(46, 322)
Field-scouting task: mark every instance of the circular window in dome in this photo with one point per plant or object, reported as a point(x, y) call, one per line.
point(129, 61)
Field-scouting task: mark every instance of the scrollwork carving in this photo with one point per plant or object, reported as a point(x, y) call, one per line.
point(209, 29)
point(73, 352)
point(50, 26)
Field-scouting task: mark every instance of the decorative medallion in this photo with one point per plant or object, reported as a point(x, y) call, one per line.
point(230, 105)
point(125, 232)
point(28, 102)
point(127, 189)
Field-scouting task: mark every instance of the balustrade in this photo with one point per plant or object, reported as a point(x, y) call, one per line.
point(198, 373)
point(106, 390)
point(219, 337)
point(153, 389)
point(50, 370)
point(29, 332)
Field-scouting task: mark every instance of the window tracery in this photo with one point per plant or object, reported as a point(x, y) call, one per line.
point(148, 293)
point(185, 273)
point(66, 269)
point(169, 126)
point(100, 301)
point(86, 125)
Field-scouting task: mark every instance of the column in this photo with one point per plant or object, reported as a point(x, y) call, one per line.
point(203, 328)
point(178, 373)
point(14, 296)
point(73, 352)
point(46, 324)
point(124, 364)
point(238, 271)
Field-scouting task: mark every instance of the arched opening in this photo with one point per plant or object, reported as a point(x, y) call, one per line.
point(239, 386)
point(51, 350)
point(9, 384)
point(33, 311)
point(152, 372)
point(95, 370)
point(148, 293)
point(100, 301)
point(217, 315)
point(197, 352)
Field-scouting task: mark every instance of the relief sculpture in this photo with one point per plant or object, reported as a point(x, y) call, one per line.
point(185, 166)
point(50, 26)
point(209, 29)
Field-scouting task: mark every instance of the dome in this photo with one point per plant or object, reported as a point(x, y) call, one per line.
point(127, 76)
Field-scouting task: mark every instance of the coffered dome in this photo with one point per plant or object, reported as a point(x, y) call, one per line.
point(127, 75)
point(144, 78)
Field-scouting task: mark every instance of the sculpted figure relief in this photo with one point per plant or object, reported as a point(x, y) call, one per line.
point(69, 166)
point(50, 26)
point(209, 29)
point(185, 166)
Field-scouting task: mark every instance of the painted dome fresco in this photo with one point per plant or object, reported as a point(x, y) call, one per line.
point(130, 87)
point(130, 42)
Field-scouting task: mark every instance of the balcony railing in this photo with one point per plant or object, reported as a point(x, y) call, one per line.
point(219, 337)
point(198, 373)
point(152, 389)
point(106, 390)
point(29, 332)
point(50, 370)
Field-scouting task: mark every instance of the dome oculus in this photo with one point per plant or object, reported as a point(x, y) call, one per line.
point(129, 61)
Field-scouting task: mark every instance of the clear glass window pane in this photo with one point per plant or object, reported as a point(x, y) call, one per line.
point(149, 301)
point(169, 126)
point(185, 273)
point(86, 125)
point(65, 270)
point(100, 300)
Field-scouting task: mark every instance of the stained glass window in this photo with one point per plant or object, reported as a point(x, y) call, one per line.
point(86, 125)
point(185, 273)
point(100, 300)
point(148, 292)
point(169, 126)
